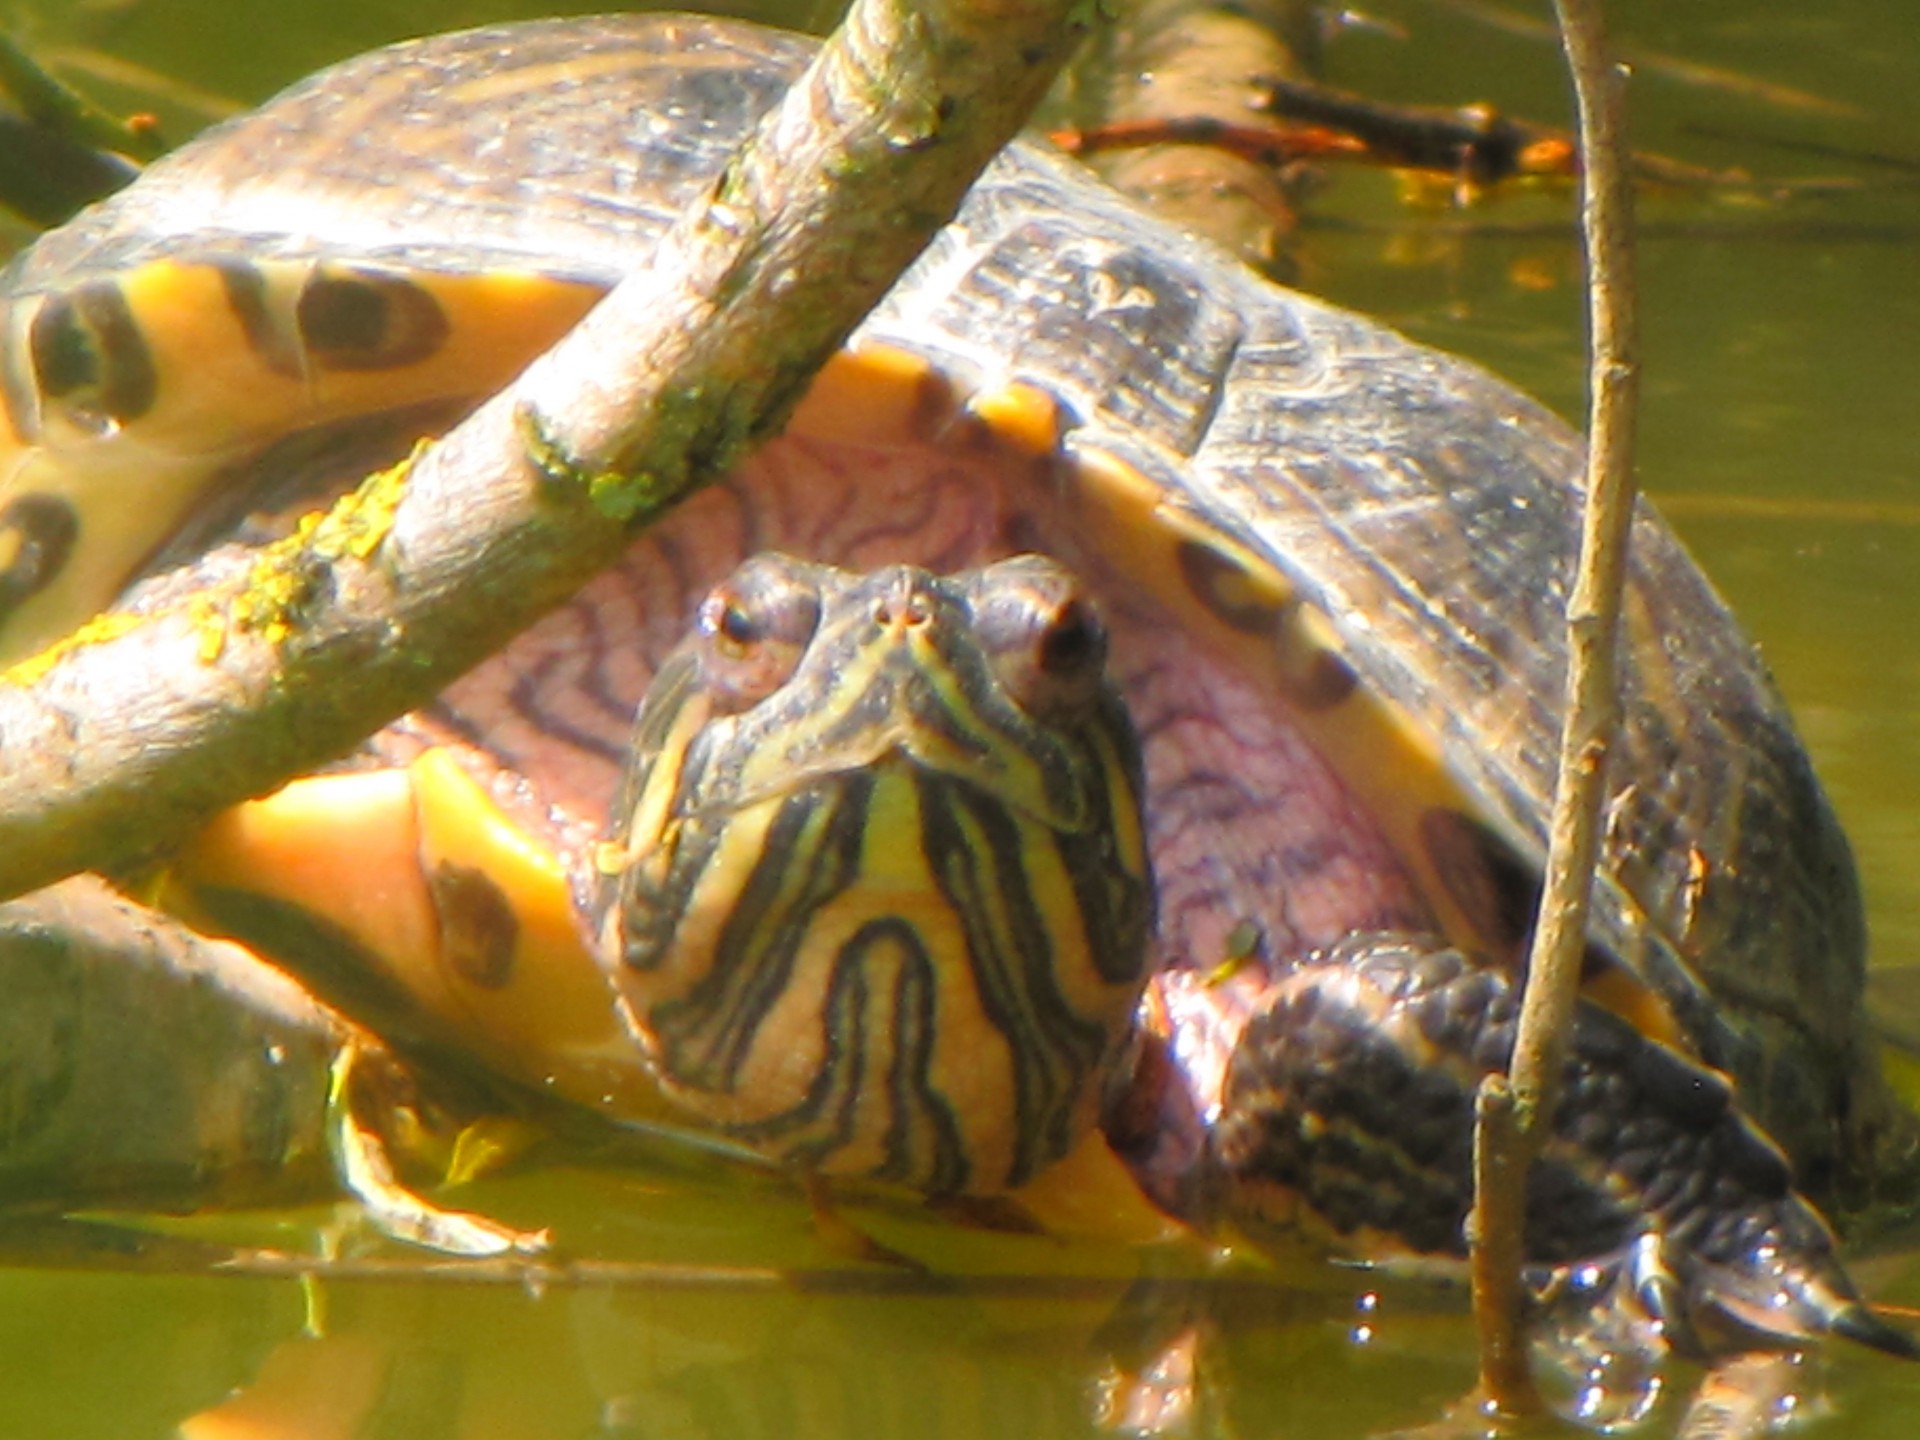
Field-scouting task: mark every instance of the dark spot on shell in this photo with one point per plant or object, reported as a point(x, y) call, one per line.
point(478, 929)
point(1494, 888)
point(131, 383)
point(1313, 677)
point(64, 358)
point(365, 320)
point(1324, 682)
point(246, 291)
point(1223, 588)
point(88, 352)
point(36, 537)
point(937, 406)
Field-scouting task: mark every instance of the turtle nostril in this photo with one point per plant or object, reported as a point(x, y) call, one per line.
point(905, 606)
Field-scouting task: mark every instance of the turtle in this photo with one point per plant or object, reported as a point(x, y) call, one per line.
point(1303, 579)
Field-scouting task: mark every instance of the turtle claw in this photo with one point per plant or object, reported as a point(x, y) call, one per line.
point(1752, 1319)
point(1858, 1323)
point(847, 1240)
point(1658, 1292)
point(1776, 1297)
point(998, 1214)
point(360, 1153)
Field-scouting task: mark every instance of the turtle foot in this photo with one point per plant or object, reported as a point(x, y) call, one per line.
point(1350, 1101)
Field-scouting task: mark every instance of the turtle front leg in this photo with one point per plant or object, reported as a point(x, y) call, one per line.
point(1348, 1100)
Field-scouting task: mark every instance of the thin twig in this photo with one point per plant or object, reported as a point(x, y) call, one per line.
point(1553, 967)
point(57, 107)
point(1678, 69)
point(677, 373)
point(58, 150)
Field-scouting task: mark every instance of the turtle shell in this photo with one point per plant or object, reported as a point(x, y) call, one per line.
point(1336, 562)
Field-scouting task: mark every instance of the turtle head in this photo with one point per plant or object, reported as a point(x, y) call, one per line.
point(883, 904)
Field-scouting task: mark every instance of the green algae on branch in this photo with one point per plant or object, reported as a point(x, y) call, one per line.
point(616, 496)
point(628, 498)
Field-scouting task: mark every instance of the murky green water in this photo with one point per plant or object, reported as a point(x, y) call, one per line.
point(1783, 355)
point(1780, 355)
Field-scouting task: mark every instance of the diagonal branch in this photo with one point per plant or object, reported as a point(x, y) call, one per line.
point(117, 743)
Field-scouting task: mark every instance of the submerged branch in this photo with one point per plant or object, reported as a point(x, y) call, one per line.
point(125, 738)
point(1169, 64)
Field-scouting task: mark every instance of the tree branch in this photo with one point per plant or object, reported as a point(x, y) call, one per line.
point(120, 741)
point(1553, 966)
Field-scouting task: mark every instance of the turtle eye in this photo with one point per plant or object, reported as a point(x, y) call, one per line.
point(737, 631)
point(752, 629)
point(1072, 641)
point(1042, 634)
